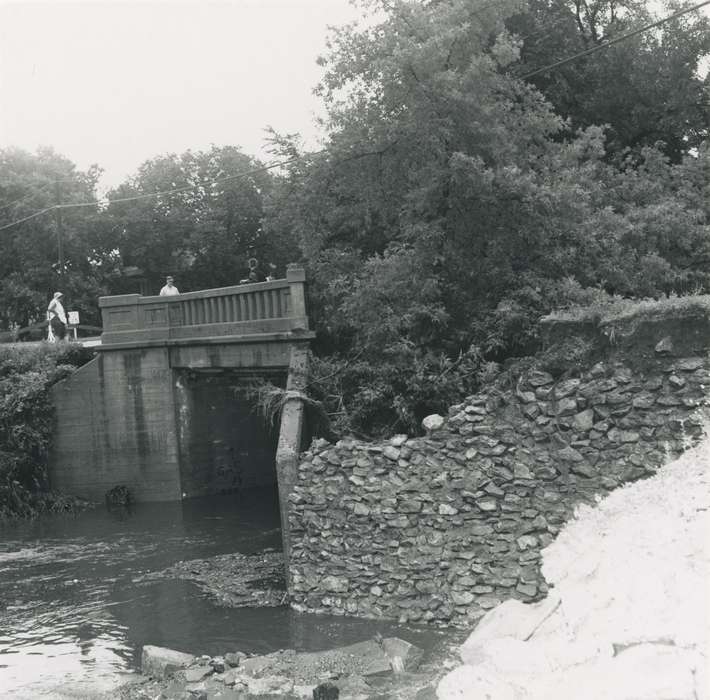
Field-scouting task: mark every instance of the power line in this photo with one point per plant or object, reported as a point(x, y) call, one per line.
point(616, 40)
point(27, 218)
point(271, 166)
point(39, 188)
point(175, 190)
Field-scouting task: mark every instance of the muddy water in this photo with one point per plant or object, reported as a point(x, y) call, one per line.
point(75, 607)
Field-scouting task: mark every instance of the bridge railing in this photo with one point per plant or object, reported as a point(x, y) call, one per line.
point(240, 310)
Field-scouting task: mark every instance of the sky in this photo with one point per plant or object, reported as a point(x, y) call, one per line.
point(116, 83)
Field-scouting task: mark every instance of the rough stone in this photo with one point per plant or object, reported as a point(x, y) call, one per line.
point(664, 346)
point(569, 454)
point(160, 662)
point(233, 659)
point(391, 453)
point(584, 420)
point(537, 379)
point(335, 584)
point(457, 521)
point(462, 597)
point(566, 388)
point(433, 423)
point(446, 509)
point(583, 469)
point(197, 673)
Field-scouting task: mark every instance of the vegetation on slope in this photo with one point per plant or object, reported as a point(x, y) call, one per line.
point(26, 423)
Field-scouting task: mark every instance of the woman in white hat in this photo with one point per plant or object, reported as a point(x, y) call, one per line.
point(57, 318)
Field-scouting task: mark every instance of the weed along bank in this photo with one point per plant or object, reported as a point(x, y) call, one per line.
point(442, 528)
point(163, 409)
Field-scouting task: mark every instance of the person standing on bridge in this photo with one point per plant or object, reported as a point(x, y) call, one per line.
point(169, 290)
point(57, 318)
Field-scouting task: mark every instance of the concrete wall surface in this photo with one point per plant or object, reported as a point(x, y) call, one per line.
point(116, 425)
point(172, 422)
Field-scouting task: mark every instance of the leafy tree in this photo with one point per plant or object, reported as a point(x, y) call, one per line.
point(452, 207)
point(204, 232)
point(30, 269)
point(646, 88)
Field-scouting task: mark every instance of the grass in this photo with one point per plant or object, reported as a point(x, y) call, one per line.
point(621, 309)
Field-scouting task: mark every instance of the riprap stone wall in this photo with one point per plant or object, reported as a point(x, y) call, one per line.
point(442, 528)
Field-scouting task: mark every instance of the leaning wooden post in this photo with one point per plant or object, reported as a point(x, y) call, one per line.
point(293, 412)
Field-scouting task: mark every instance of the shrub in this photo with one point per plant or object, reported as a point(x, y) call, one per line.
point(26, 422)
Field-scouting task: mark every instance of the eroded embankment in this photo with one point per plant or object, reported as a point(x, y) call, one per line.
point(444, 527)
point(628, 614)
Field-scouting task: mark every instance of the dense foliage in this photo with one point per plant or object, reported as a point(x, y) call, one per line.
point(453, 206)
point(26, 423)
point(203, 232)
point(30, 251)
point(647, 88)
point(456, 199)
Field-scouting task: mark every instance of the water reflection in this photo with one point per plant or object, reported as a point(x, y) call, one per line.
point(73, 615)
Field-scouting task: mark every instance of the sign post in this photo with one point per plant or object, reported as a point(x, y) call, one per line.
point(73, 321)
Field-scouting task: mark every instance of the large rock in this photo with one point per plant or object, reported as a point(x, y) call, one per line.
point(511, 619)
point(402, 655)
point(159, 662)
point(363, 658)
point(433, 422)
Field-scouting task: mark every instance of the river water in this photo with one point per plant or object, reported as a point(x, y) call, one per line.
point(75, 608)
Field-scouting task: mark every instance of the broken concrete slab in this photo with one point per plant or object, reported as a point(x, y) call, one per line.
point(160, 662)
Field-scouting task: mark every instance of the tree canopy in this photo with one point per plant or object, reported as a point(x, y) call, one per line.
point(453, 205)
point(647, 88)
point(30, 266)
point(205, 230)
point(458, 196)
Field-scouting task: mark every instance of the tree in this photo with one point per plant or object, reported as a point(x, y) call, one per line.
point(451, 207)
point(206, 227)
point(30, 252)
point(647, 88)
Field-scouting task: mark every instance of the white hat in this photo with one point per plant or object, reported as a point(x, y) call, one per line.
point(57, 295)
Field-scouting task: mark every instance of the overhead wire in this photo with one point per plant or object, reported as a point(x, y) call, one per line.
point(39, 188)
point(615, 40)
point(278, 164)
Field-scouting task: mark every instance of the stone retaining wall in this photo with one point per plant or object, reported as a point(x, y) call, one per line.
point(444, 527)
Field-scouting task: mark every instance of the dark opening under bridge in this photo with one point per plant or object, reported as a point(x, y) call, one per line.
point(163, 408)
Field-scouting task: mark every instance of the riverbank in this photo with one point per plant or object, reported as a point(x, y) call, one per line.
point(627, 618)
point(377, 668)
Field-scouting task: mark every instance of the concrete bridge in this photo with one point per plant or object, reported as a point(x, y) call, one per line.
point(165, 409)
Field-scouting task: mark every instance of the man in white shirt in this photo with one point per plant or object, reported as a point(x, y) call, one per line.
point(169, 290)
point(57, 318)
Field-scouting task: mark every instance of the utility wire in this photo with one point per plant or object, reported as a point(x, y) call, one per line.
point(27, 218)
point(271, 166)
point(39, 188)
point(616, 40)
